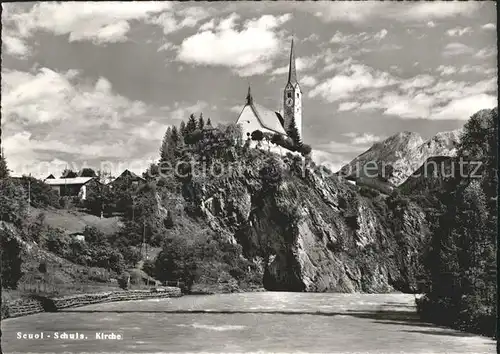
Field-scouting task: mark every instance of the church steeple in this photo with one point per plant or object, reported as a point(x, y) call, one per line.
point(292, 72)
point(249, 96)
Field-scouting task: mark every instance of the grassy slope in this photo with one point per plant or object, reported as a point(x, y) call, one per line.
point(74, 221)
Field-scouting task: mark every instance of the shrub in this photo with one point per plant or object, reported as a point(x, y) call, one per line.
point(305, 149)
point(257, 135)
point(124, 281)
point(149, 267)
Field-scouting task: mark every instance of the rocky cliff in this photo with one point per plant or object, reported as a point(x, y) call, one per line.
point(310, 231)
point(404, 153)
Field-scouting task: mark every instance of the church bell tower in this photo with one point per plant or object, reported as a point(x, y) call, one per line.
point(292, 98)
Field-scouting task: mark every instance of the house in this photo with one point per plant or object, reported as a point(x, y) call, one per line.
point(127, 177)
point(71, 187)
point(256, 117)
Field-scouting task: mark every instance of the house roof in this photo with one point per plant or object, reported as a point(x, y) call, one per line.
point(66, 181)
point(128, 173)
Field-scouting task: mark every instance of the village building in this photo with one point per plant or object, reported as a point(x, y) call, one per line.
point(256, 117)
point(71, 187)
point(129, 178)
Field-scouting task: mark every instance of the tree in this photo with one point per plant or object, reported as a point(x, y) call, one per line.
point(4, 171)
point(201, 122)
point(87, 172)
point(305, 149)
point(191, 124)
point(294, 134)
point(257, 135)
point(164, 149)
point(13, 202)
point(11, 259)
point(209, 122)
point(67, 173)
point(176, 261)
point(182, 129)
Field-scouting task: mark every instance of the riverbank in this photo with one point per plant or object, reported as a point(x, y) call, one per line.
point(36, 304)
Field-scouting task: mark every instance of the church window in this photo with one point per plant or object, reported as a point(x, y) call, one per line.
point(289, 95)
point(297, 95)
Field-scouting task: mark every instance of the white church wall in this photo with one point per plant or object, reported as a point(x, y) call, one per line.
point(249, 123)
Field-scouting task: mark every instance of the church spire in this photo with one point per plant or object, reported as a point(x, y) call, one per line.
point(292, 72)
point(249, 96)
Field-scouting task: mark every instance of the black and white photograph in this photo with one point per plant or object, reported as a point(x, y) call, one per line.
point(249, 177)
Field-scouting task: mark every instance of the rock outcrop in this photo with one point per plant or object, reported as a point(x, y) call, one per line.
point(314, 232)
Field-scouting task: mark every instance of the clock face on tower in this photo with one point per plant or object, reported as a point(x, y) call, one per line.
point(289, 102)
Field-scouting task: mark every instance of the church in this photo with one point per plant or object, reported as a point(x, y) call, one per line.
point(256, 117)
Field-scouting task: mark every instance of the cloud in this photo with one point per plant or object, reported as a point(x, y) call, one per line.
point(365, 139)
point(456, 49)
point(445, 70)
point(485, 53)
point(458, 31)
point(439, 100)
point(465, 107)
point(52, 115)
point(248, 51)
point(99, 22)
point(489, 26)
point(355, 78)
point(308, 81)
point(341, 38)
point(301, 64)
point(403, 12)
point(182, 111)
point(15, 46)
point(431, 24)
point(180, 16)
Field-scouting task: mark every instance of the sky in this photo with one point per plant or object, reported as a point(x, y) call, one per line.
point(96, 84)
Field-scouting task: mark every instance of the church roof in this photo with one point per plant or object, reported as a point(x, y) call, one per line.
point(267, 118)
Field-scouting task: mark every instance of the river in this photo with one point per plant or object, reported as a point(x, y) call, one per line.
point(249, 322)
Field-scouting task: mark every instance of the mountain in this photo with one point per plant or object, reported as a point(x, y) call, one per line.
point(397, 157)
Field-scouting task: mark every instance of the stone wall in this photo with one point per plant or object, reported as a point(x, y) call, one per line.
point(34, 305)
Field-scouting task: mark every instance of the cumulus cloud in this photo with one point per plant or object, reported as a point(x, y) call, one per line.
point(458, 31)
point(489, 26)
point(248, 51)
point(34, 103)
point(439, 100)
point(353, 79)
point(99, 22)
point(15, 46)
point(456, 48)
point(485, 53)
point(308, 81)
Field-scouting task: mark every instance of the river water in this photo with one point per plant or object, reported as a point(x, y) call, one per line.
point(249, 322)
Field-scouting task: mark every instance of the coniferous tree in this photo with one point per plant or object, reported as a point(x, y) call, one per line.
point(191, 124)
point(209, 122)
point(201, 122)
point(164, 149)
point(175, 135)
point(294, 134)
point(182, 129)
